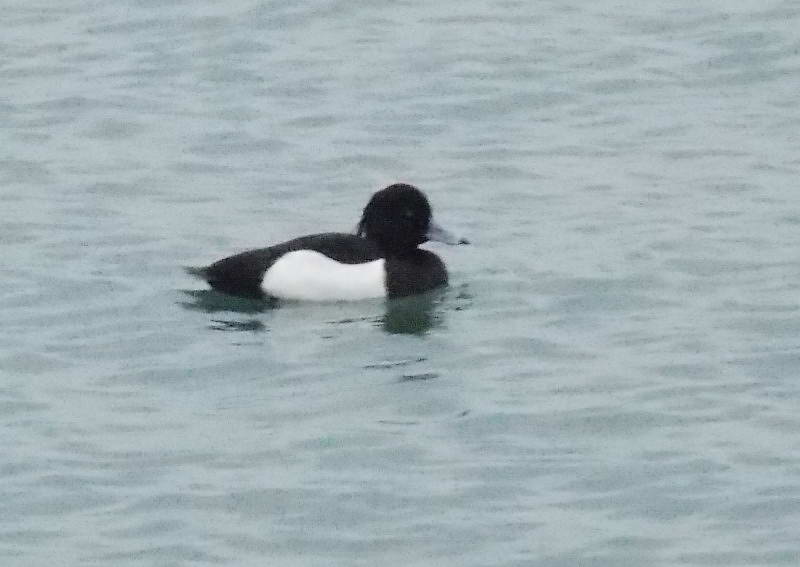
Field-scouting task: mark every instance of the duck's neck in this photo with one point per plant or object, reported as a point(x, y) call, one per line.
point(400, 252)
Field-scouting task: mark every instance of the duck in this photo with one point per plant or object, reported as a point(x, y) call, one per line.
point(381, 259)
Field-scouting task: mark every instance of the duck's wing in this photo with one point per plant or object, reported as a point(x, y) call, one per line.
point(344, 248)
point(242, 273)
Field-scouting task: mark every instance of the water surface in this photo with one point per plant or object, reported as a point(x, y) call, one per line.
point(610, 379)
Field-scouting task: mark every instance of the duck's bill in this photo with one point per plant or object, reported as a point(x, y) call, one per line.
point(438, 234)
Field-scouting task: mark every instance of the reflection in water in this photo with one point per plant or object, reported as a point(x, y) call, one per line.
point(414, 315)
point(210, 301)
point(253, 325)
point(394, 363)
point(421, 377)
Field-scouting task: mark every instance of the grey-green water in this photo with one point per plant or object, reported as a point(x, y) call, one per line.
point(610, 380)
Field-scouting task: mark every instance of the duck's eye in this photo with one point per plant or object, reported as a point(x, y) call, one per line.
point(408, 213)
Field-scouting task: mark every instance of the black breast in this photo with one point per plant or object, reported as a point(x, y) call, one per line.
point(416, 272)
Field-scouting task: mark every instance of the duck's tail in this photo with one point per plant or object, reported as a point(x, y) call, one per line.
point(201, 273)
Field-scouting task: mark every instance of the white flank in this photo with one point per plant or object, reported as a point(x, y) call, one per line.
point(310, 276)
